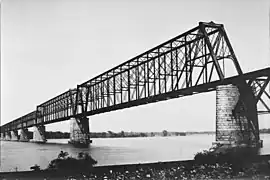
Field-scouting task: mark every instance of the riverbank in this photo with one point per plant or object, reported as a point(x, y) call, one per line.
point(258, 169)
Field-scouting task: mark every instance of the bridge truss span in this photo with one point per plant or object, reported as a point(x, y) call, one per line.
point(25, 121)
point(191, 63)
point(59, 108)
point(188, 60)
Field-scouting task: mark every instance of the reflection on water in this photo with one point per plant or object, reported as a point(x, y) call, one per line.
point(23, 155)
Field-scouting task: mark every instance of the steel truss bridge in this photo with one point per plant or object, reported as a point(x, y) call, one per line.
point(190, 63)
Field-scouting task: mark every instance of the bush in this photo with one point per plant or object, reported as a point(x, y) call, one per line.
point(237, 157)
point(84, 162)
point(35, 168)
point(62, 155)
point(205, 157)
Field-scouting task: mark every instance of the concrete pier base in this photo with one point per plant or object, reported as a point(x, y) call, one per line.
point(14, 135)
point(39, 134)
point(24, 135)
point(79, 132)
point(7, 136)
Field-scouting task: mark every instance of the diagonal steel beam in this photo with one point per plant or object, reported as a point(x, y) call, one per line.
point(211, 49)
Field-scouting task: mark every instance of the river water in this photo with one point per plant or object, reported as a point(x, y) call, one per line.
point(22, 155)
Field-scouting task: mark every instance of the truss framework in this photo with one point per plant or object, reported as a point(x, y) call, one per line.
point(190, 63)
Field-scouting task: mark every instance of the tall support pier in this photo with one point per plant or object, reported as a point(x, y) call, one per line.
point(236, 116)
point(79, 132)
point(39, 134)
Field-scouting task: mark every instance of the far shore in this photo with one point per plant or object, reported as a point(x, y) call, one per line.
point(130, 134)
point(121, 134)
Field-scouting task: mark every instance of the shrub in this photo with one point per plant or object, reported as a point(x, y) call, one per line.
point(205, 157)
point(84, 162)
point(62, 155)
point(236, 157)
point(35, 168)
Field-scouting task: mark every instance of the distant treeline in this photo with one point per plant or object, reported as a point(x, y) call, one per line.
point(265, 130)
point(111, 134)
point(56, 135)
point(51, 135)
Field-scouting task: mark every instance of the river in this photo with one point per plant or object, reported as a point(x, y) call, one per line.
point(109, 151)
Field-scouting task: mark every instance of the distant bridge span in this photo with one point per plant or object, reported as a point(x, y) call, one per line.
point(190, 63)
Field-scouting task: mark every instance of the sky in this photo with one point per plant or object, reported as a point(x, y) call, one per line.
point(48, 47)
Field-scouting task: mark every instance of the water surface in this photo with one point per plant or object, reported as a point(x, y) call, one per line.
point(23, 155)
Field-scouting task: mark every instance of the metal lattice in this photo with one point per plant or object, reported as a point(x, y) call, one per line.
point(190, 63)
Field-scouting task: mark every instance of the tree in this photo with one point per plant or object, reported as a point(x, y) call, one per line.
point(165, 133)
point(122, 134)
point(142, 135)
point(111, 134)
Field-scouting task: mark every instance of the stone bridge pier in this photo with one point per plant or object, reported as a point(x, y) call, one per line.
point(24, 135)
point(234, 129)
point(2, 136)
point(14, 135)
point(39, 134)
point(7, 136)
point(79, 132)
